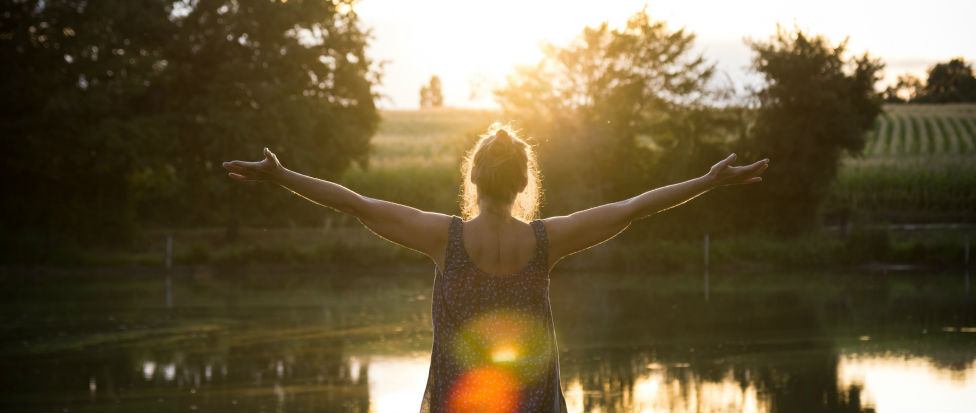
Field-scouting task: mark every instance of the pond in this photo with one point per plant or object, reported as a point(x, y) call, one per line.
point(206, 340)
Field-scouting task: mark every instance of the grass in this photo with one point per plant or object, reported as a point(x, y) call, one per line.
point(921, 172)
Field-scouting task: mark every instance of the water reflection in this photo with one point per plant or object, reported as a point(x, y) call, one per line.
point(876, 382)
point(396, 383)
point(668, 390)
point(908, 383)
point(880, 344)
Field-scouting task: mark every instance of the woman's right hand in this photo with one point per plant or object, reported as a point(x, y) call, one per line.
point(723, 173)
point(268, 169)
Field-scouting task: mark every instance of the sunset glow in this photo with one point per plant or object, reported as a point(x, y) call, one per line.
point(474, 45)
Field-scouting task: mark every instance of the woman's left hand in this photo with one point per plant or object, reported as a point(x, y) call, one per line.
point(723, 173)
point(268, 169)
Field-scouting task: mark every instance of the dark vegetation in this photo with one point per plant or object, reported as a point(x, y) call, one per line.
point(117, 115)
point(621, 111)
point(947, 82)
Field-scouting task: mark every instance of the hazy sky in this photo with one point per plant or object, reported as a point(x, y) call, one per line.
point(466, 41)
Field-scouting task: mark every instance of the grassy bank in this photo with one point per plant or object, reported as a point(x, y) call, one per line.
point(346, 244)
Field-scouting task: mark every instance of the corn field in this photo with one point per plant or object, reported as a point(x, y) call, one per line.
point(919, 165)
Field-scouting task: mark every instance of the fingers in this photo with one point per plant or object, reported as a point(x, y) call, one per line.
point(240, 166)
point(761, 168)
point(237, 176)
point(758, 164)
point(727, 161)
point(270, 155)
point(758, 168)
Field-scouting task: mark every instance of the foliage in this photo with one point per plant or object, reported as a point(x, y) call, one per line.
point(817, 103)
point(431, 94)
point(946, 82)
point(952, 81)
point(905, 89)
point(116, 112)
point(605, 107)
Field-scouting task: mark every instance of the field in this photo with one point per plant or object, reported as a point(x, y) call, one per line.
point(919, 166)
point(415, 156)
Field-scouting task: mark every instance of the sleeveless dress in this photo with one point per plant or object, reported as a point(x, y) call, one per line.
point(494, 345)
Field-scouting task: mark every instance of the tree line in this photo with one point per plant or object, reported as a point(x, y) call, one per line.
point(117, 113)
point(946, 82)
point(620, 111)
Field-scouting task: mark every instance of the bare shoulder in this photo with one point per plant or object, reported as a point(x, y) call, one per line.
point(580, 230)
point(418, 230)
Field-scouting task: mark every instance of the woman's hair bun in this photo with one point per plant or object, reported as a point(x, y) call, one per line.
point(502, 134)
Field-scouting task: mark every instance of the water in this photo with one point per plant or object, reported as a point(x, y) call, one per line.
point(351, 342)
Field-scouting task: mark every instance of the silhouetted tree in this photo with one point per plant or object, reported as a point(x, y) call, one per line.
point(906, 89)
point(816, 104)
point(607, 107)
point(952, 81)
point(431, 94)
point(118, 111)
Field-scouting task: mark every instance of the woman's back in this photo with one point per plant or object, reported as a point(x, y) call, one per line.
point(494, 346)
point(499, 246)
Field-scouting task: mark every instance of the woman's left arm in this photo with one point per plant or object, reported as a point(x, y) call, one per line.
point(584, 229)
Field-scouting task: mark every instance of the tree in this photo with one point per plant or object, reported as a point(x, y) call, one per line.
point(431, 95)
point(119, 112)
point(605, 107)
point(952, 81)
point(906, 89)
point(816, 104)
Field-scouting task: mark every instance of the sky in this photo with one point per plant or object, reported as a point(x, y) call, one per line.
point(469, 43)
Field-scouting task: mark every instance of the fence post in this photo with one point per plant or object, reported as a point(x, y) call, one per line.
point(169, 275)
point(966, 260)
point(169, 252)
point(706, 267)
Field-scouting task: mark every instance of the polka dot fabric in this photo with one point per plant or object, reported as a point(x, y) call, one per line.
point(494, 344)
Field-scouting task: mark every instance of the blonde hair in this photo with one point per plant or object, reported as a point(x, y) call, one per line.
point(502, 167)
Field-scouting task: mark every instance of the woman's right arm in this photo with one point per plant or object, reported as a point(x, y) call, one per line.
point(410, 227)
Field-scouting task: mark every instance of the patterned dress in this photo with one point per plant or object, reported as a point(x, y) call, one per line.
point(494, 344)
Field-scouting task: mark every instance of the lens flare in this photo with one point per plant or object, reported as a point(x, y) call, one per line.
point(484, 389)
point(508, 339)
point(504, 354)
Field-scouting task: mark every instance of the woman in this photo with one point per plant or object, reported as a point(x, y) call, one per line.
point(494, 346)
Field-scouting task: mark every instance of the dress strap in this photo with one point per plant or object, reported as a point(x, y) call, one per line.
point(454, 231)
point(541, 240)
point(454, 242)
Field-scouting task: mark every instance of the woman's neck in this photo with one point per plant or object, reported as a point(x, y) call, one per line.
point(495, 212)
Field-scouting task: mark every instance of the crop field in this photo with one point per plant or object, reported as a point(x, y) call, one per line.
point(919, 165)
point(415, 156)
point(923, 131)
